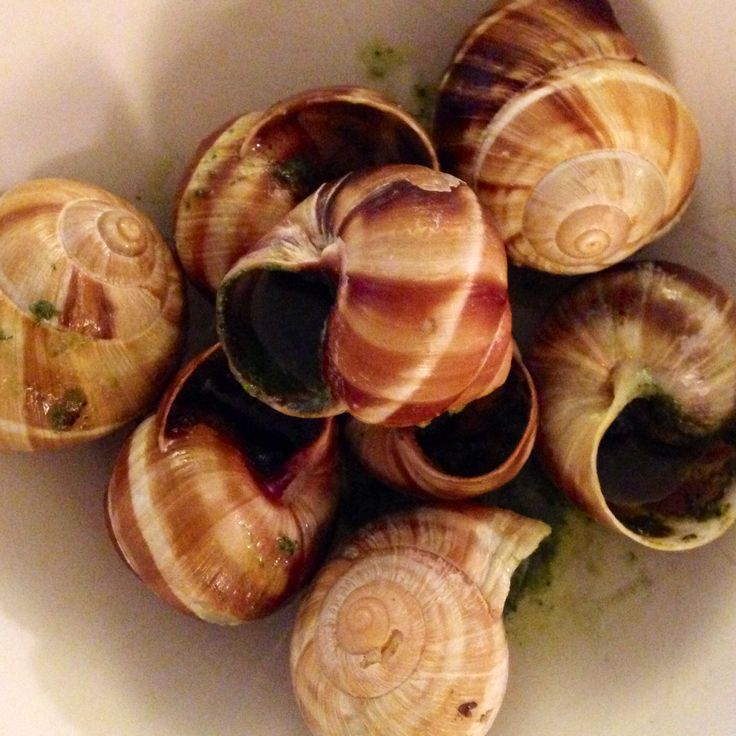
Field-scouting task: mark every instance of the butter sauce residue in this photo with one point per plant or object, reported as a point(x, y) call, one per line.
point(584, 576)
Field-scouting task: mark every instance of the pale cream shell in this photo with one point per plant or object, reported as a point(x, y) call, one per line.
point(404, 625)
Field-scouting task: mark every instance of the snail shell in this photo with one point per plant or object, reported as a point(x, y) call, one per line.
point(220, 505)
point(383, 294)
point(249, 174)
point(91, 313)
point(649, 347)
point(404, 625)
point(460, 455)
point(581, 153)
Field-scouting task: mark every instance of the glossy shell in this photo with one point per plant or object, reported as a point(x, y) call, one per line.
point(91, 313)
point(246, 176)
point(636, 374)
point(384, 294)
point(460, 455)
point(580, 152)
point(220, 505)
point(404, 625)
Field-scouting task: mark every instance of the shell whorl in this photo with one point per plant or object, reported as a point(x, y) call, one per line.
point(410, 612)
point(581, 153)
point(214, 506)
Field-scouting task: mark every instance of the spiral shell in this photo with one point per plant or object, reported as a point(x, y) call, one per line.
point(581, 153)
point(460, 455)
point(220, 505)
point(636, 374)
point(404, 625)
point(384, 294)
point(246, 176)
point(91, 313)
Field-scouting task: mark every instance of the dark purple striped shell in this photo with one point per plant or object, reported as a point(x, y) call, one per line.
point(250, 173)
point(91, 313)
point(384, 294)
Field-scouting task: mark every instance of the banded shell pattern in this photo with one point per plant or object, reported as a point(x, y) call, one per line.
point(248, 175)
point(384, 294)
point(220, 505)
point(458, 455)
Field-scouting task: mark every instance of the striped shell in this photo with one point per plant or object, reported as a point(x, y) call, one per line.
point(581, 153)
point(91, 313)
point(460, 455)
point(404, 625)
point(636, 374)
point(220, 505)
point(384, 294)
point(250, 173)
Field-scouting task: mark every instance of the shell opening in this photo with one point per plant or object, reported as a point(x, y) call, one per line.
point(320, 140)
point(483, 435)
point(272, 324)
point(268, 440)
point(662, 478)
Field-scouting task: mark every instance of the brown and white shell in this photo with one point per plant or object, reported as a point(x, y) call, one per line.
point(404, 626)
point(458, 455)
point(250, 173)
point(220, 505)
point(636, 374)
point(91, 313)
point(384, 294)
point(581, 153)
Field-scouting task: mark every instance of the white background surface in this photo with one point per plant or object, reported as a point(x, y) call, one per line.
point(119, 93)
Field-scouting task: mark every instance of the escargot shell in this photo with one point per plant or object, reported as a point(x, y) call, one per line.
point(404, 625)
point(220, 505)
point(383, 294)
point(91, 313)
point(461, 454)
point(636, 374)
point(246, 176)
point(581, 153)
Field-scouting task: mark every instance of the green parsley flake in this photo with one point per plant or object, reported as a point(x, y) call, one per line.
point(5, 335)
point(65, 412)
point(43, 310)
point(287, 545)
point(379, 59)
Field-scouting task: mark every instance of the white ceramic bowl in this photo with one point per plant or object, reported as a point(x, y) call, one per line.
point(625, 641)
